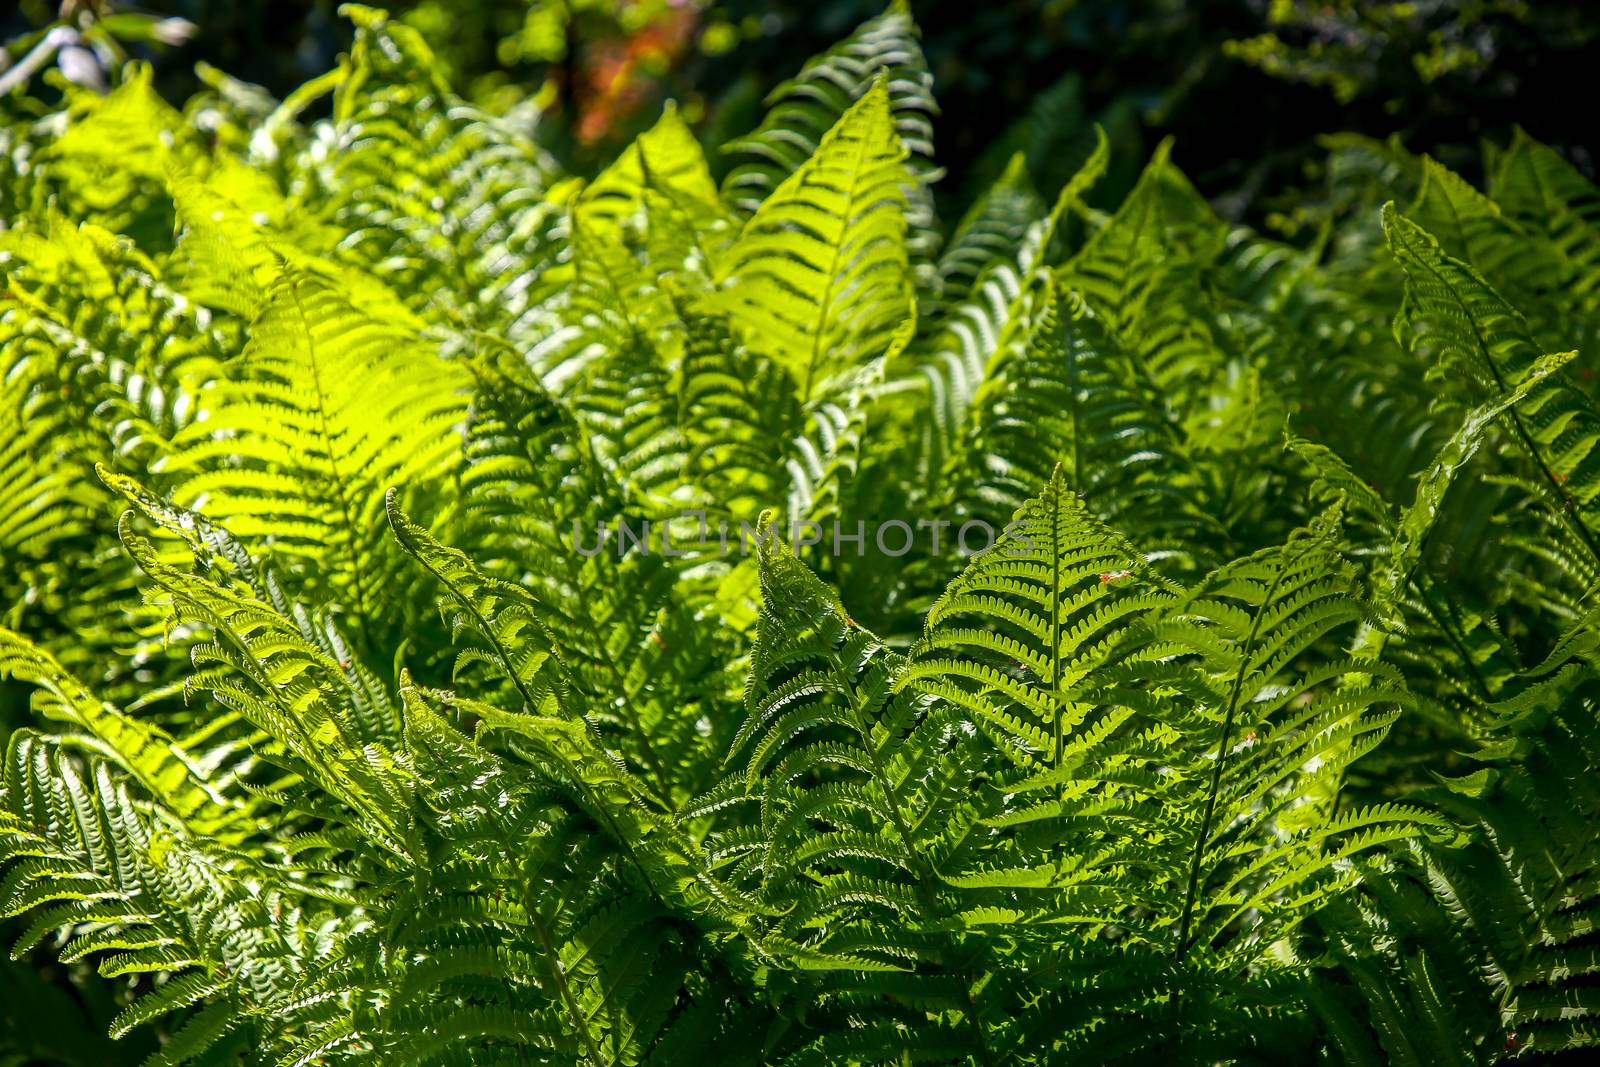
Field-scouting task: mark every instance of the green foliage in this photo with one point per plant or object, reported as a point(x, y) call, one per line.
point(452, 611)
point(1354, 49)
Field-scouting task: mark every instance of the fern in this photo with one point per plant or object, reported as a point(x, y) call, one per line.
point(803, 110)
point(451, 610)
point(817, 275)
point(327, 407)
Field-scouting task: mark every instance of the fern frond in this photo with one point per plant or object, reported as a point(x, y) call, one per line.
point(1465, 329)
point(1545, 192)
point(1077, 399)
point(326, 409)
point(1057, 589)
point(801, 112)
point(817, 278)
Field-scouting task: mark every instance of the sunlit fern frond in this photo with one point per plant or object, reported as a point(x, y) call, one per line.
point(1142, 271)
point(450, 200)
point(1075, 398)
point(801, 112)
point(326, 408)
point(1479, 345)
point(817, 278)
point(989, 233)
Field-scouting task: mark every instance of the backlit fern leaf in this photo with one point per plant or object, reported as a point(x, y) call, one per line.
point(1056, 590)
point(1143, 272)
point(802, 111)
point(1467, 331)
point(817, 278)
point(1471, 227)
point(450, 200)
point(110, 159)
point(165, 772)
point(103, 363)
point(326, 409)
point(1154, 741)
point(667, 160)
point(993, 227)
point(983, 333)
point(1076, 399)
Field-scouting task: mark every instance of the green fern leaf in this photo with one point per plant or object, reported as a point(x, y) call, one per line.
point(817, 278)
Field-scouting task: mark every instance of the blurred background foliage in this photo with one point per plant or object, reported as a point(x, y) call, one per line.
point(1245, 86)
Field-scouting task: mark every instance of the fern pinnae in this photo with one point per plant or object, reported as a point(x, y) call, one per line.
point(1188, 764)
point(883, 49)
point(272, 654)
point(775, 561)
point(1498, 351)
point(1074, 575)
point(819, 269)
point(994, 225)
point(1313, 540)
point(1542, 190)
point(558, 974)
point(150, 755)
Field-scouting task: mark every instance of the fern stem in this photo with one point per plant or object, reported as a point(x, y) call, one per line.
point(558, 972)
point(1569, 515)
point(351, 525)
point(1055, 618)
point(1201, 839)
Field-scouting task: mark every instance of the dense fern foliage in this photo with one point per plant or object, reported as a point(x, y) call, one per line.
point(456, 613)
